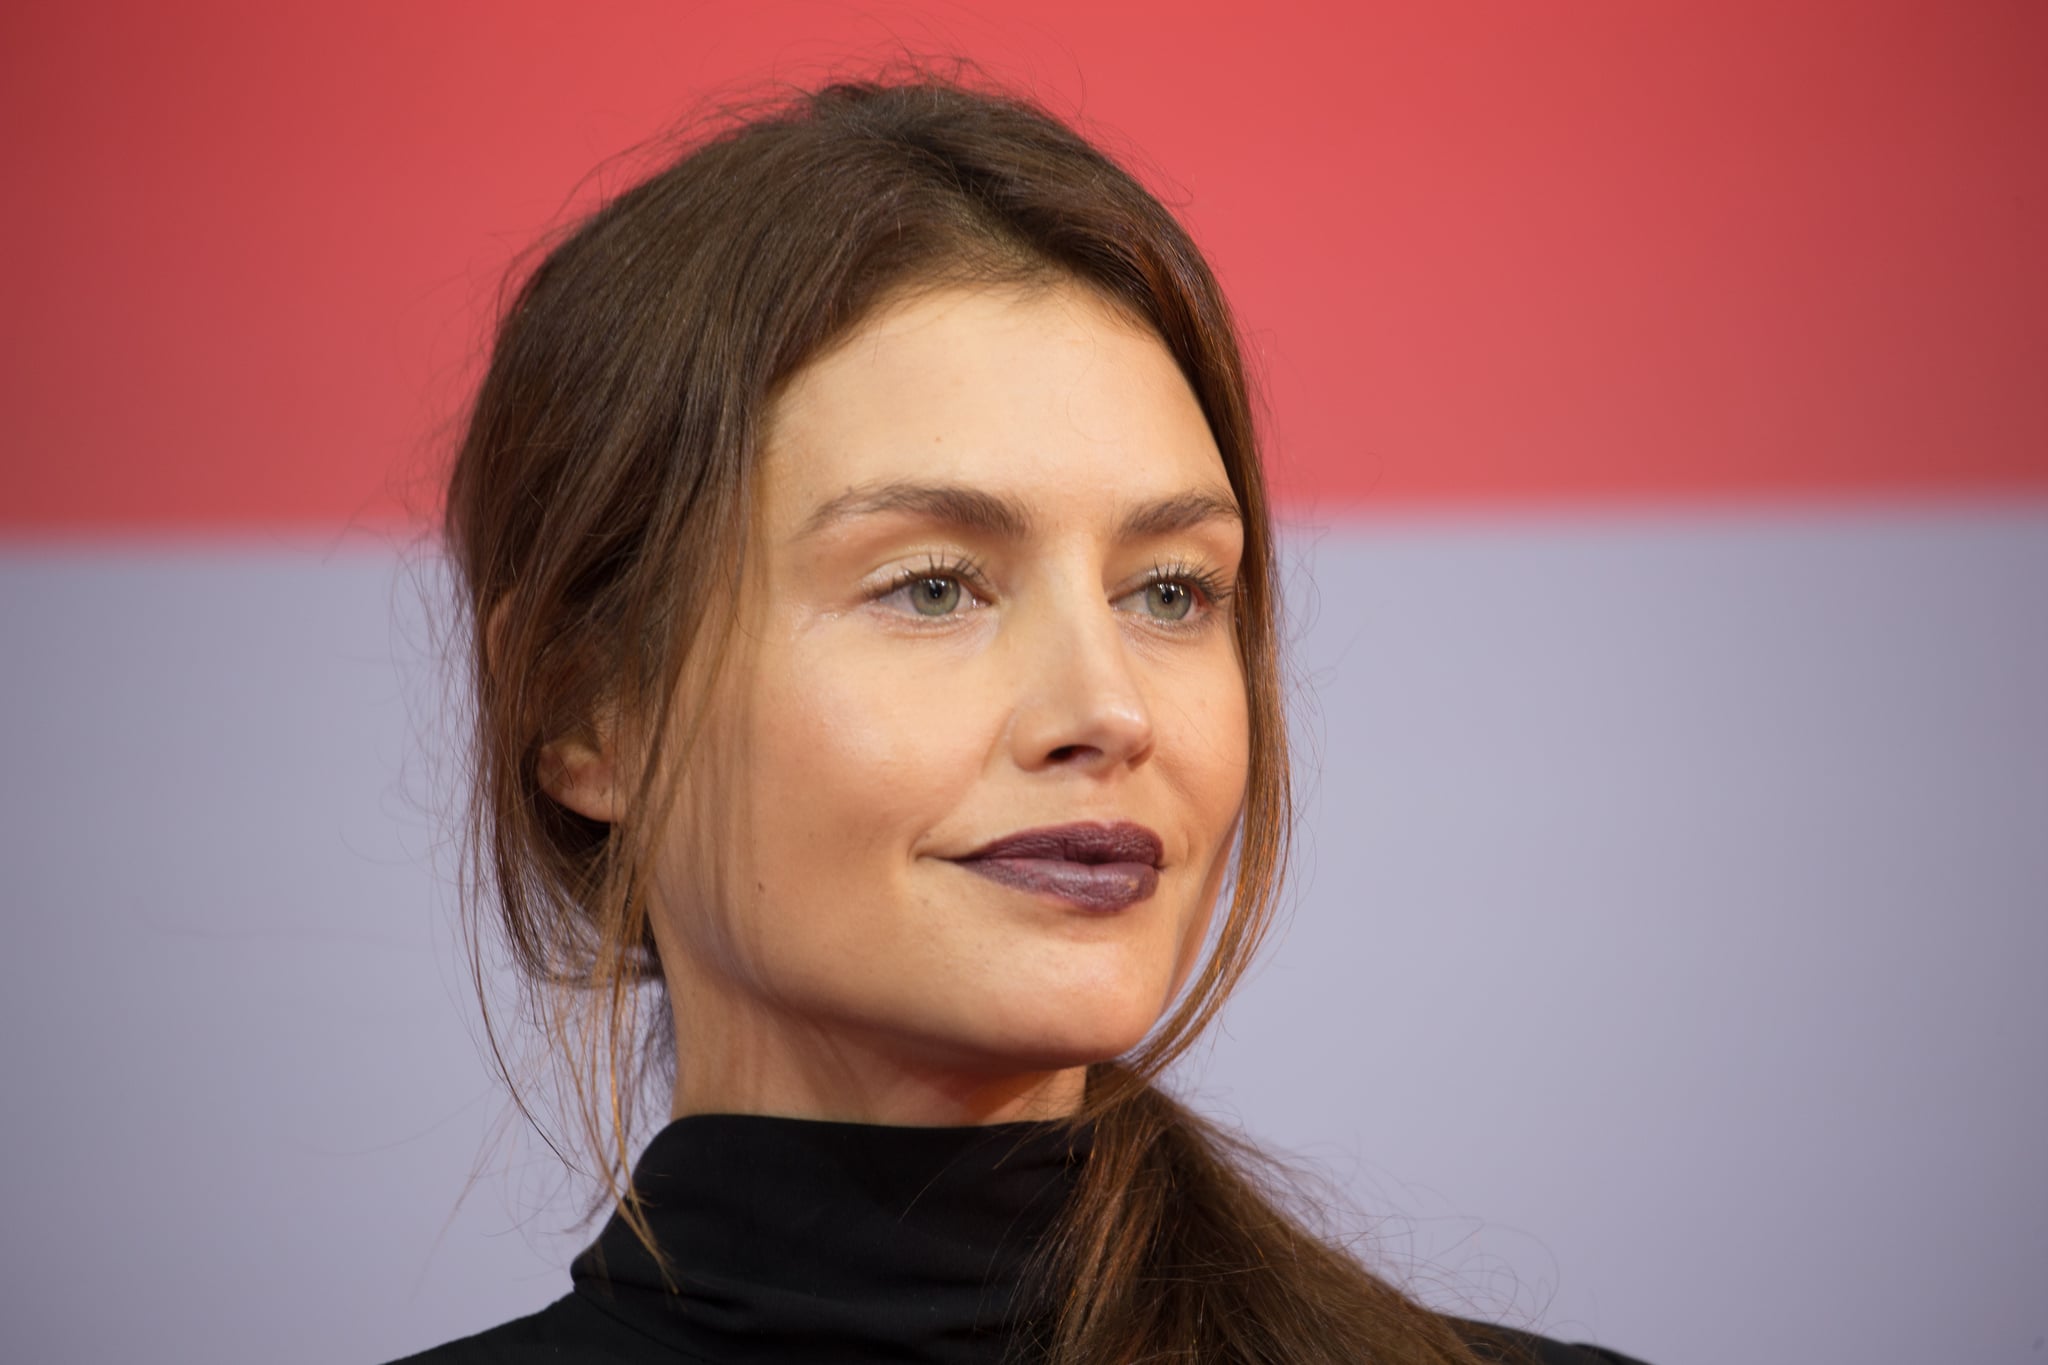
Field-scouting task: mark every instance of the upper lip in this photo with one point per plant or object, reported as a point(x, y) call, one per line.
point(1117, 842)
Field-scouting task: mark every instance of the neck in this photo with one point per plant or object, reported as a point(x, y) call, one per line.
point(804, 1073)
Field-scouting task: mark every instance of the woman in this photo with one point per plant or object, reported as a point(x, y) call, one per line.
point(865, 537)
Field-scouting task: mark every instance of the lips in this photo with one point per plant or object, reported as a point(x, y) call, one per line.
point(1099, 867)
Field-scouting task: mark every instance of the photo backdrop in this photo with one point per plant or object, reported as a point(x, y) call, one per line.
point(1656, 398)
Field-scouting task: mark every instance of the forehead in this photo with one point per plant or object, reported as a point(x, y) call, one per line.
point(1047, 393)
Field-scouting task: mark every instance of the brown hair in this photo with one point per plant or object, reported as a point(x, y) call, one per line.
point(607, 462)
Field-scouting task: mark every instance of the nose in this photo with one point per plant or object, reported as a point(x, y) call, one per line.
point(1080, 702)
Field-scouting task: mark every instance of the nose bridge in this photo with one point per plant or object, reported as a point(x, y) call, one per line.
point(1080, 698)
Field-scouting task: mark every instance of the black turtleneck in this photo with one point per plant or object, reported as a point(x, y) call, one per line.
point(798, 1241)
point(794, 1240)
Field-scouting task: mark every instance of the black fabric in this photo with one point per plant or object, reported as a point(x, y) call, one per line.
point(797, 1241)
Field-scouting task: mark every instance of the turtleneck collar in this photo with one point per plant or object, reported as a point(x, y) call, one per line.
point(794, 1240)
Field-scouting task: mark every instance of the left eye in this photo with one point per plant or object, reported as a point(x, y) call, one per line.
point(1165, 600)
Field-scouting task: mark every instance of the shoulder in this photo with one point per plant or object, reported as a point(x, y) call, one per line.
point(569, 1331)
point(1510, 1347)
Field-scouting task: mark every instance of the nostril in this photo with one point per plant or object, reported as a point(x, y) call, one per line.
point(1064, 752)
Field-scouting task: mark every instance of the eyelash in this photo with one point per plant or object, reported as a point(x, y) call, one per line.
point(1210, 587)
point(968, 572)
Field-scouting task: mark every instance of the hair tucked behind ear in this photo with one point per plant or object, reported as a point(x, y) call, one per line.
point(607, 460)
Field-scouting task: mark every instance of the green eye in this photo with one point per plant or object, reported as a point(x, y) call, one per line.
point(935, 596)
point(1169, 601)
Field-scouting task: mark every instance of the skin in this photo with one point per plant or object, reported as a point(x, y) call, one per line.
point(824, 955)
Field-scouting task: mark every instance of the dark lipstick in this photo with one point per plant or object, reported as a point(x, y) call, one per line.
point(1094, 867)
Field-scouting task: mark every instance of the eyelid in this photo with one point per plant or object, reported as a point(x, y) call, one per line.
point(1215, 585)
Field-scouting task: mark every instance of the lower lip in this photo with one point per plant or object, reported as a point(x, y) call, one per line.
point(1090, 886)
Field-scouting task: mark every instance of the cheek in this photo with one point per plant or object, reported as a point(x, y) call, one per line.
point(853, 754)
point(824, 767)
point(1205, 741)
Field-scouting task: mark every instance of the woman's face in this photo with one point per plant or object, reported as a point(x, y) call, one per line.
point(969, 786)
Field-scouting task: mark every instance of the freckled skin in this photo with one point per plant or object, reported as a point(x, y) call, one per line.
point(824, 956)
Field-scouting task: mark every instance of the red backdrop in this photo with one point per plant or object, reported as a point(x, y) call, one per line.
point(1483, 252)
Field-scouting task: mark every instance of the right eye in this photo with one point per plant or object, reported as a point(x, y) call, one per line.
point(932, 592)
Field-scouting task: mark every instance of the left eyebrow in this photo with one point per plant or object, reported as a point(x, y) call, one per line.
point(1182, 512)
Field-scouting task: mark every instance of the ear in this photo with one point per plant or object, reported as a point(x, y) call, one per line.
point(578, 770)
point(582, 774)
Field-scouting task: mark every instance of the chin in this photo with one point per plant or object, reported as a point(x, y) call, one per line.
point(1055, 1031)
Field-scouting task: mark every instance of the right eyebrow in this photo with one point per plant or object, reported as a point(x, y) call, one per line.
point(968, 508)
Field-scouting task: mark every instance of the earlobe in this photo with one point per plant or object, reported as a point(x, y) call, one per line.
point(581, 776)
